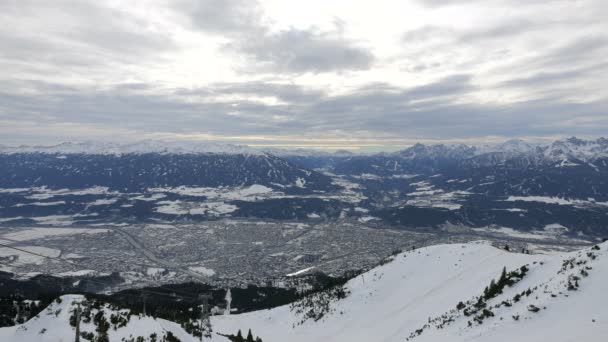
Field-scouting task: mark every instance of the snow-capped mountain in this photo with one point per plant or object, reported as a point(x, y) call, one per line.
point(311, 159)
point(515, 152)
point(176, 181)
point(567, 149)
point(511, 147)
point(577, 149)
point(149, 165)
point(455, 292)
point(140, 147)
point(574, 153)
point(302, 152)
point(571, 148)
point(436, 152)
point(566, 153)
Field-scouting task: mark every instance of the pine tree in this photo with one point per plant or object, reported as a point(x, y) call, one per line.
point(491, 290)
point(250, 336)
point(502, 281)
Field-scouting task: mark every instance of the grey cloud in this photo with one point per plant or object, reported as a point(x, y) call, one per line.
point(222, 16)
point(584, 48)
point(553, 78)
point(549, 67)
point(441, 3)
point(298, 51)
point(426, 33)
point(287, 51)
point(383, 107)
point(135, 107)
point(101, 35)
point(452, 85)
point(434, 110)
point(74, 36)
point(291, 93)
point(573, 60)
point(508, 29)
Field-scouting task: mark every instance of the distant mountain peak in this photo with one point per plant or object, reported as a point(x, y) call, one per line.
point(515, 146)
point(303, 152)
point(421, 151)
point(138, 147)
point(575, 148)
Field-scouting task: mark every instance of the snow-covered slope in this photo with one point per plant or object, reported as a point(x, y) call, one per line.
point(437, 293)
point(140, 147)
point(392, 302)
point(53, 325)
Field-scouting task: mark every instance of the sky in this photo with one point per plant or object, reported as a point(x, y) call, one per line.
point(340, 74)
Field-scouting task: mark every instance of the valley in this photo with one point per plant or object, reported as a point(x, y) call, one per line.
point(169, 223)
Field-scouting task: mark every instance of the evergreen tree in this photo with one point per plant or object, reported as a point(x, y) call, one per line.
point(250, 336)
point(502, 281)
point(491, 290)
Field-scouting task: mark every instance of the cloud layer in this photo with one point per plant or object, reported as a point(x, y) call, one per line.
point(261, 73)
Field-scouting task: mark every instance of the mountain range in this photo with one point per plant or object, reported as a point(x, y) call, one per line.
point(515, 184)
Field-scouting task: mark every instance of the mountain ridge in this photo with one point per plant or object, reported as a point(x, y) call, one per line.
point(561, 149)
point(139, 147)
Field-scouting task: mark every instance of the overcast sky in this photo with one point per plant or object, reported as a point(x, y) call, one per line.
point(370, 75)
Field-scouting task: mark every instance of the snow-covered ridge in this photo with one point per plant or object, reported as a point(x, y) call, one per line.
point(510, 147)
point(560, 150)
point(566, 149)
point(584, 150)
point(141, 147)
point(430, 294)
point(302, 152)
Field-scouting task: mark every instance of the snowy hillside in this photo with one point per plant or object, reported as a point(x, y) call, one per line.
point(416, 296)
point(53, 324)
point(457, 292)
